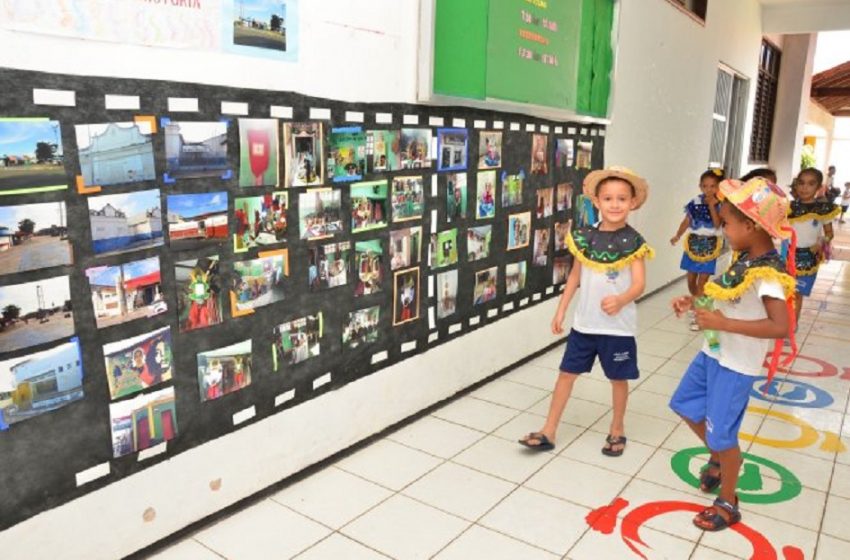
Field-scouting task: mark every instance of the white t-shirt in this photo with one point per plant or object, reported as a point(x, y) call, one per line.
point(845, 197)
point(808, 232)
point(596, 286)
point(745, 354)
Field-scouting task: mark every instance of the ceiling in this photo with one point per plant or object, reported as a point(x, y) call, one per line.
point(831, 89)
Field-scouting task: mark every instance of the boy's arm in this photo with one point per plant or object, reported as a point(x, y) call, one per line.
point(776, 325)
point(566, 297)
point(682, 227)
point(612, 304)
point(828, 233)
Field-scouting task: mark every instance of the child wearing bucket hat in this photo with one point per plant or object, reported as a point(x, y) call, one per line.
point(753, 305)
point(609, 266)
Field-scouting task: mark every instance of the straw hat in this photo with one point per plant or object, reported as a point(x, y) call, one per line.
point(762, 202)
point(639, 183)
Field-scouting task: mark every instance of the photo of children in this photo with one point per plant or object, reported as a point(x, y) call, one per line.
point(485, 285)
point(329, 265)
point(303, 154)
point(35, 312)
point(143, 422)
point(34, 384)
point(320, 213)
point(584, 156)
point(512, 188)
point(125, 222)
point(561, 269)
point(346, 154)
point(33, 236)
point(139, 362)
point(444, 248)
point(368, 206)
point(478, 242)
point(369, 266)
point(539, 154)
point(515, 275)
point(415, 148)
point(259, 282)
point(115, 153)
point(196, 218)
point(485, 206)
point(126, 292)
point(562, 229)
point(259, 153)
point(541, 247)
point(408, 198)
point(260, 220)
point(195, 149)
point(544, 203)
point(489, 150)
point(406, 296)
point(564, 153)
point(455, 196)
point(405, 247)
point(224, 370)
point(384, 148)
point(564, 197)
point(446, 293)
point(296, 341)
point(31, 154)
point(519, 230)
point(361, 327)
point(199, 290)
point(451, 149)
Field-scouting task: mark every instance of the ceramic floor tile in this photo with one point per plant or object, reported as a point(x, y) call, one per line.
point(812, 472)
point(405, 529)
point(674, 324)
point(660, 384)
point(806, 510)
point(527, 422)
point(640, 427)
point(479, 542)
point(840, 481)
point(504, 459)
point(507, 393)
point(835, 518)
point(261, 531)
point(579, 412)
point(588, 449)
point(594, 388)
point(338, 547)
point(658, 470)
point(676, 366)
point(187, 549)
point(332, 496)
point(705, 553)
point(534, 518)
point(821, 419)
point(830, 548)
point(476, 414)
point(651, 404)
point(677, 523)
point(459, 490)
point(437, 437)
point(779, 534)
point(389, 464)
point(534, 375)
point(649, 363)
point(681, 438)
point(577, 482)
point(598, 546)
point(550, 359)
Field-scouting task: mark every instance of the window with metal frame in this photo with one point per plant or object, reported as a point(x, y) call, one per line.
point(765, 106)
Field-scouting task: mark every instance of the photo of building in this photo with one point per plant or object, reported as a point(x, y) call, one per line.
point(115, 153)
point(125, 222)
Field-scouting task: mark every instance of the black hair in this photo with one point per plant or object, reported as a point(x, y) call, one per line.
point(763, 172)
point(715, 173)
point(814, 171)
point(614, 178)
point(738, 212)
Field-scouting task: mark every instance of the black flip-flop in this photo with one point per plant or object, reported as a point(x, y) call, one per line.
point(610, 442)
point(543, 443)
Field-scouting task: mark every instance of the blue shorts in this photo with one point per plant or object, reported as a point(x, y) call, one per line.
point(690, 265)
point(617, 354)
point(805, 284)
point(718, 395)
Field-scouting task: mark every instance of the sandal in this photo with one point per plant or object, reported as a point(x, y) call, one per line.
point(709, 482)
point(710, 519)
point(542, 442)
point(610, 442)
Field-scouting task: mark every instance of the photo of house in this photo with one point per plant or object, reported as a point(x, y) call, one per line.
point(115, 153)
point(125, 222)
point(195, 149)
point(142, 422)
point(194, 218)
point(126, 292)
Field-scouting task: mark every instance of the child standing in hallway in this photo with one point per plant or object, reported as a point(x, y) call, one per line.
point(845, 201)
point(703, 243)
point(753, 300)
point(609, 266)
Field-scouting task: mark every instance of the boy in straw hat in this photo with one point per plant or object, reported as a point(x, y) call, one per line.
point(752, 306)
point(609, 266)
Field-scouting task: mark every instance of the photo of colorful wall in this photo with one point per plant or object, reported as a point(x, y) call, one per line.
point(142, 422)
point(139, 362)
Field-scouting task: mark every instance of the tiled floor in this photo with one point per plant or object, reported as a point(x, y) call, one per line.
point(455, 485)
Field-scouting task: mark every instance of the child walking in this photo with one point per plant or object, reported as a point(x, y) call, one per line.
point(812, 220)
point(609, 266)
point(845, 201)
point(703, 243)
point(753, 300)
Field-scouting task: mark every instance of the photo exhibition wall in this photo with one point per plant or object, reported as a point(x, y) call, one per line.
point(179, 260)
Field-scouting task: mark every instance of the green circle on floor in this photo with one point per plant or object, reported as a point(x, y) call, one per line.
point(750, 481)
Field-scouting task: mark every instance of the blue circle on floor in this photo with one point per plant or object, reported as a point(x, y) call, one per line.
point(790, 392)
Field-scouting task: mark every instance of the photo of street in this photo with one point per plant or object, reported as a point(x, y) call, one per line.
point(30, 154)
point(33, 236)
point(260, 23)
point(35, 312)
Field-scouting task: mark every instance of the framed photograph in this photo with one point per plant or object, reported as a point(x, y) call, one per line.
point(258, 282)
point(304, 155)
point(512, 188)
point(562, 230)
point(125, 222)
point(405, 247)
point(446, 293)
point(143, 422)
point(452, 149)
point(489, 150)
point(224, 370)
point(561, 269)
point(126, 292)
point(115, 153)
point(539, 154)
point(456, 197)
point(515, 275)
point(368, 206)
point(584, 212)
point(384, 150)
point(478, 242)
point(485, 285)
point(195, 149)
point(564, 197)
point(361, 327)
point(35, 312)
point(564, 153)
point(444, 248)
point(329, 265)
point(34, 384)
point(319, 213)
point(31, 156)
point(259, 153)
point(485, 203)
point(408, 198)
point(139, 362)
point(261, 221)
point(195, 219)
point(264, 25)
point(406, 296)
point(347, 154)
point(541, 247)
point(584, 155)
point(34, 236)
point(368, 267)
point(297, 341)
point(415, 148)
point(519, 230)
point(544, 203)
point(199, 293)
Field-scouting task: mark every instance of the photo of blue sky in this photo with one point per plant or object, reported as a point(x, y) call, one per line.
point(108, 275)
point(191, 205)
point(19, 138)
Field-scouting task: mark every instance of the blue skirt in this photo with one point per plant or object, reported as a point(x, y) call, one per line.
point(691, 265)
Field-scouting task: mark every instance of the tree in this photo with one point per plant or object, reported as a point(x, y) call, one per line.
point(11, 311)
point(45, 151)
point(26, 226)
point(276, 22)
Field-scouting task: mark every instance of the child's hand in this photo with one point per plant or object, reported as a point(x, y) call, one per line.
point(558, 323)
point(682, 305)
point(710, 320)
point(675, 239)
point(612, 305)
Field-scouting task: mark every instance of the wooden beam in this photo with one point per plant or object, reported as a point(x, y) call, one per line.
point(831, 91)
